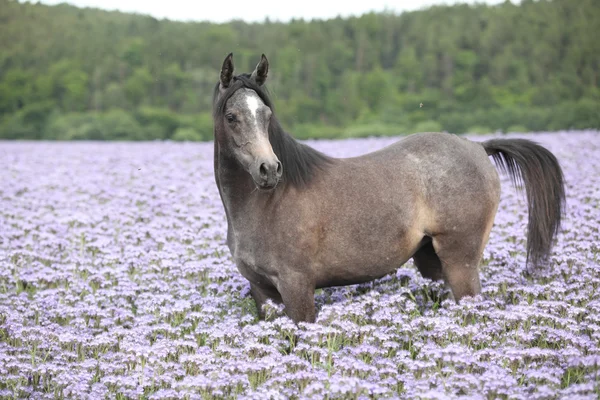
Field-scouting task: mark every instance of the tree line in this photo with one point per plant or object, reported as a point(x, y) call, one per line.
point(71, 73)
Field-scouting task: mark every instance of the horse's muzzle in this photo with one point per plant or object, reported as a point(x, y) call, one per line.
point(269, 173)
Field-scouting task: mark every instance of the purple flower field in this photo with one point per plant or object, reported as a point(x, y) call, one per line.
point(115, 282)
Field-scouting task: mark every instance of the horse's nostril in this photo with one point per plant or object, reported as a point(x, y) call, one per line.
point(278, 168)
point(263, 170)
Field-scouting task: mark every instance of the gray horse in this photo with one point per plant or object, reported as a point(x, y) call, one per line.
point(300, 220)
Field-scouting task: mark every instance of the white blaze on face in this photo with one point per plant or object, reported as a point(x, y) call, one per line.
point(261, 142)
point(253, 105)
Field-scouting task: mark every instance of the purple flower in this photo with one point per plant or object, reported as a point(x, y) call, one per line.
point(116, 280)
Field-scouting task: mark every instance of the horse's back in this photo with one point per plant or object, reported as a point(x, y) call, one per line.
point(439, 147)
point(457, 181)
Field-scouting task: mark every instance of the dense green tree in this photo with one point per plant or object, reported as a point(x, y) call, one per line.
point(70, 73)
point(138, 86)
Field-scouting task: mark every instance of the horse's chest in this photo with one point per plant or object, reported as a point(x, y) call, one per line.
point(266, 244)
point(256, 273)
point(254, 264)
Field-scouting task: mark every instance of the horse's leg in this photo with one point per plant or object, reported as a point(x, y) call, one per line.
point(428, 262)
point(460, 256)
point(261, 295)
point(298, 296)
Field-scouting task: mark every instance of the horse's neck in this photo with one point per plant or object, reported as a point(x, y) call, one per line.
point(235, 185)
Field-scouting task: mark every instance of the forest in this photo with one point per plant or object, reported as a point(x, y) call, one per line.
point(68, 73)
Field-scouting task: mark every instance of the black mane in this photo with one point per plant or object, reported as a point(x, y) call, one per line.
point(300, 162)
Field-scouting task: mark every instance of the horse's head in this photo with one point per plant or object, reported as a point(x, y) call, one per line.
point(242, 121)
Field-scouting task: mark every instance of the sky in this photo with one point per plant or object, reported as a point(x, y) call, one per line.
point(255, 10)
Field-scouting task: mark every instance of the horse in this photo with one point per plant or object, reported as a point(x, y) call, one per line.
point(299, 220)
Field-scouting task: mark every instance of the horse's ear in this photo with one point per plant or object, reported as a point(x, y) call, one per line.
point(261, 71)
point(227, 71)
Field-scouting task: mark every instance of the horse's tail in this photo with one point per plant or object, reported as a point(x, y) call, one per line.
point(529, 163)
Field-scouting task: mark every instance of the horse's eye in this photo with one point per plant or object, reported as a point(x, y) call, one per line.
point(230, 117)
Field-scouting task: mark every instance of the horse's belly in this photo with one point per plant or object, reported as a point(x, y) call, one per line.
point(353, 276)
point(358, 263)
